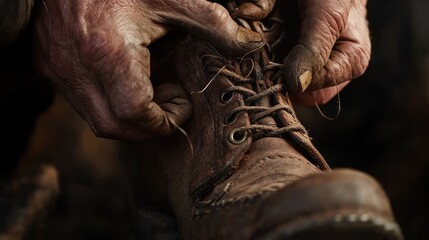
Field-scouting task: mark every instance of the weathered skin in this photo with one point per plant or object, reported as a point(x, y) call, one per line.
point(97, 52)
point(14, 16)
point(332, 43)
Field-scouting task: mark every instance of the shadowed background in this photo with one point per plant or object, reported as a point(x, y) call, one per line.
point(382, 130)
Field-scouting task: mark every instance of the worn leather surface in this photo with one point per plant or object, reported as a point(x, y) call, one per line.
point(219, 189)
point(224, 190)
point(335, 192)
point(222, 156)
point(212, 178)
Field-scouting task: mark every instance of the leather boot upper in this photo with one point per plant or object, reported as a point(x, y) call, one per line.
point(244, 147)
point(245, 139)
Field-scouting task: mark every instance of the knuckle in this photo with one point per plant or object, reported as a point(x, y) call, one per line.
point(362, 58)
point(343, 68)
point(96, 47)
point(101, 122)
point(58, 70)
point(336, 13)
point(322, 46)
point(218, 14)
point(132, 109)
point(105, 130)
point(105, 125)
point(337, 21)
point(133, 100)
point(266, 5)
point(119, 132)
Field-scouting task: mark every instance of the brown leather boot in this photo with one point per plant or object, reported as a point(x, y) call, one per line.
point(249, 169)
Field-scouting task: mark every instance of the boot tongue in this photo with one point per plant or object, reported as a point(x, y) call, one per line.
point(264, 102)
point(253, 68)
point(267, 121)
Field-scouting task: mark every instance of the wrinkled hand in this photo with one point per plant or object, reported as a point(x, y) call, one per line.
point(332, 44)
point(96, 51)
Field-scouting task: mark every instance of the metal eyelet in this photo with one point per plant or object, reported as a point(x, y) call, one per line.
point(237, 136)
point(226, 97)
point(230, 118)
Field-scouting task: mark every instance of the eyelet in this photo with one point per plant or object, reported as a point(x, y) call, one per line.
point(230, 118)
point(226, 97)
point(237, 136)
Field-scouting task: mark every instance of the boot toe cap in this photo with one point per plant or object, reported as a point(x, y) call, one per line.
point(341, 199)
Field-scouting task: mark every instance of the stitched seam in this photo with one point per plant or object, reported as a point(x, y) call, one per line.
point(218, 206)
point(258, 163)
point(206, 207)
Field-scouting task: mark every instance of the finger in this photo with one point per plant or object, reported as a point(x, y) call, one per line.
point(349, 57)
point(123, 73)
point(322, 23)
point(320, 97)
point(348, 60)
point(253, 10)
point(213, 23)
point(93, 106)
point(175, 103)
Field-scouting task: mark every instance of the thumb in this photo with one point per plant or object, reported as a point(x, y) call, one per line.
point(212, 22)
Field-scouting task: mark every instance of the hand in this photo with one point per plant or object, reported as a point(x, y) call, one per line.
point(332, 44)
point(97, 52)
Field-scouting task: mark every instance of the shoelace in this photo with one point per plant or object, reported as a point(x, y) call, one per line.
point(258, 131)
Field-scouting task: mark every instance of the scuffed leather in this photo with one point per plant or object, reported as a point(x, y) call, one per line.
point(250, 171)
point(220, 190)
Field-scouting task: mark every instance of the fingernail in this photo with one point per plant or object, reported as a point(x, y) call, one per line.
point(247, 37)
point(305, 80)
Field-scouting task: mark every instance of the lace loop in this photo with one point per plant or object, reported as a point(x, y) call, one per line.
point(240, 85)
point(264, 93)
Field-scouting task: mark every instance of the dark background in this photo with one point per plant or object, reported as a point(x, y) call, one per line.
point(382, 130)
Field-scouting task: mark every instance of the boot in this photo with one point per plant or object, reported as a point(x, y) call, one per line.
point(243, 166)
